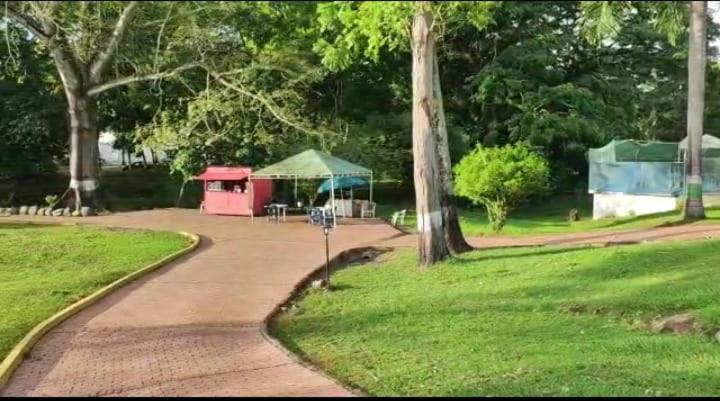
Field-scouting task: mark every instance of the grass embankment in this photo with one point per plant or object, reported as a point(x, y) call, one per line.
point(527, 321)
point(43, 269)
point(551, 217)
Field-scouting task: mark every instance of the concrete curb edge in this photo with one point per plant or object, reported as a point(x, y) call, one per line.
point(18, 352)
point(338, 260)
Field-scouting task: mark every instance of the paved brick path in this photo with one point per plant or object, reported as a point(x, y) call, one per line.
point(598, 237)
point(191, 328)
point(194, 327)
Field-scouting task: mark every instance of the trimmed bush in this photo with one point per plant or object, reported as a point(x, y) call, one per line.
point(501, 177)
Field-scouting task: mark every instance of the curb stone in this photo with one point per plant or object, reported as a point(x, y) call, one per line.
point(21, 349)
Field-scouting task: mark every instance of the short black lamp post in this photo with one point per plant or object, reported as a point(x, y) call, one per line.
point(327, 226)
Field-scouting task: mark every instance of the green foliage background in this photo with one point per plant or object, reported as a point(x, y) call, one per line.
point(339, 73)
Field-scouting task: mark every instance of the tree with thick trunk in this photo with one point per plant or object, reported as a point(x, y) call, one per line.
point(695, 111)
point(366, 28)
point(432, 246)
point(452, 232)
point(80, 78)
point(98, 46)
point(82, 45)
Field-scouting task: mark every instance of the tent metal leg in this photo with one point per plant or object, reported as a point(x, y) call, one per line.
point(332, 199)
point(371, 186)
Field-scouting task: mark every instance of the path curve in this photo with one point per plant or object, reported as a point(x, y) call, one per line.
point(194, 327)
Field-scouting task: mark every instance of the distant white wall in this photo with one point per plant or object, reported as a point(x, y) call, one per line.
point(113, 157)
point(623, 205)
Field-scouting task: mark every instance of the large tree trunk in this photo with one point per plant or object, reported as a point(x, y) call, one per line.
point(451, 227)
point(696, 103)
point(83, 131)
point(181, 193)
point(431, 242)
point(83, 148)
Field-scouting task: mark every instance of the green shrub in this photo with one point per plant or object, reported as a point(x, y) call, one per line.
point(51, 200)
point(501, 177)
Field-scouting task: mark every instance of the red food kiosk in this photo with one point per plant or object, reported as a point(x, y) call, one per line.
point(229, 191)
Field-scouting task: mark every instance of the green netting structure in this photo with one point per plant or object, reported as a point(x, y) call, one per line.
point(634, 151)
point(650, 168)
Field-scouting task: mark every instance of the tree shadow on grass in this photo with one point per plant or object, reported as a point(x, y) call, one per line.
point(681, 277)
point(538, 250)
point(636, 282)
point(344, 339)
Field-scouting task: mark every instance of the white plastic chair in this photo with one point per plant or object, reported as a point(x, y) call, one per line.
point(367, 210)
point(398, 218)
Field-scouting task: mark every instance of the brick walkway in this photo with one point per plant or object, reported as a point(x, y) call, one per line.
point(696, 230)
point(194, 327)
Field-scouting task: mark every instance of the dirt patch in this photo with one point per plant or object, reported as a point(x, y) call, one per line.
point(126, 230)
point(681, 324)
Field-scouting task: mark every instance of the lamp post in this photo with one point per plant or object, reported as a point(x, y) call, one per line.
point(327, 226)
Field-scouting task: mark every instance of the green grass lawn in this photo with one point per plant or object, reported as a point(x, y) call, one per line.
point(43, 269)
point(548, 217)
point(523, 321)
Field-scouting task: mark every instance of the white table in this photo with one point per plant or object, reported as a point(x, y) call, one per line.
point(281, 207)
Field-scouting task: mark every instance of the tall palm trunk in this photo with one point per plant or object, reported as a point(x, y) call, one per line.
point(695, 112)
point(431, 243)
point(451, 227)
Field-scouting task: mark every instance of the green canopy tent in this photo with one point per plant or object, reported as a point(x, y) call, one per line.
point(628, 150)
point(312, 164)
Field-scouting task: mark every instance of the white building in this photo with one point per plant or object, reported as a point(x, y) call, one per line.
point(113, 157)
point(632, 178)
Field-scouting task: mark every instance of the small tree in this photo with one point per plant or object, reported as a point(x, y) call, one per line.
point(501, 177)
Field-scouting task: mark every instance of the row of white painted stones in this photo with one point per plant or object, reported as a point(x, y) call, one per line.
point(44, 211)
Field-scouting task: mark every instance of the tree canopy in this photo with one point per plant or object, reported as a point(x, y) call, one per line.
point(252, 82)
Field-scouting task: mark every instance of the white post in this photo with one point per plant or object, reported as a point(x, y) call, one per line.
point(295, 190)
point(332, 198)
point(371, 183)
point(252, 200)
point(352, 211)
point(343, 203)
